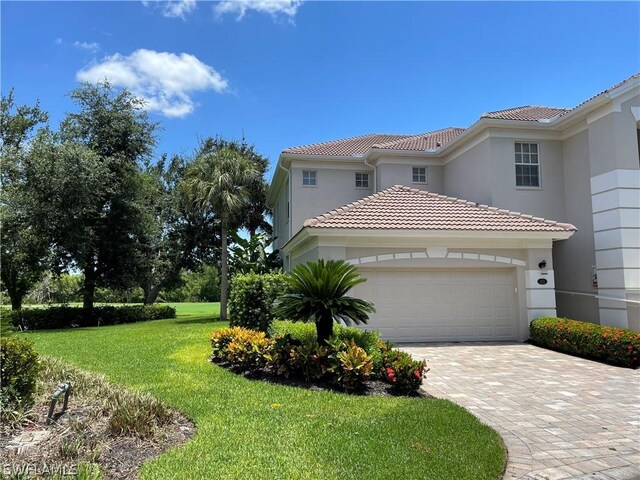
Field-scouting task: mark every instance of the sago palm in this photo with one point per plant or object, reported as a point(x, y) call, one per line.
point(219, 181)
point(319, 294)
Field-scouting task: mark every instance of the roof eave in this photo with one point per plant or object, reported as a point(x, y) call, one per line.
point(512, 234)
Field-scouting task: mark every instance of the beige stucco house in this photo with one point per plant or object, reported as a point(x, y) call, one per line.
point(471, 233)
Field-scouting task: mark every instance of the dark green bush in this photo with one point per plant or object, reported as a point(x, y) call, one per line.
point(68, 317)
point(251, 298)
point(19, 373)
point(616, 346)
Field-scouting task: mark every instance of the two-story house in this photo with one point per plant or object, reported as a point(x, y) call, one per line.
point(471, 233)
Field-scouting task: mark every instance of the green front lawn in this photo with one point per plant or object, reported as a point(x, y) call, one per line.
point(254, 430)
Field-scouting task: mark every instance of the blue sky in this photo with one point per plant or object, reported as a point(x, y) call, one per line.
point(285, 73)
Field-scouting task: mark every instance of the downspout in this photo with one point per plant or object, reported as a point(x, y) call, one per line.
point(375, 175)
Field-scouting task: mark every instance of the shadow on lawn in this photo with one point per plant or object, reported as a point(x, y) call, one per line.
point(201, 319)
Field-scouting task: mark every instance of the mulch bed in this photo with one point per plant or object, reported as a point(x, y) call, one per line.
point(375, 388)
point(80, 436)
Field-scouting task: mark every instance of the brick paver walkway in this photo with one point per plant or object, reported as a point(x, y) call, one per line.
point(560, 416)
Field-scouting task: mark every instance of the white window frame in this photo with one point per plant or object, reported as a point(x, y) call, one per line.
point(364, 175)
point(519, 160)
point(315, 178)
point(418, 175)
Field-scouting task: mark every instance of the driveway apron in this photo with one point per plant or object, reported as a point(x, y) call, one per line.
point(560, 416)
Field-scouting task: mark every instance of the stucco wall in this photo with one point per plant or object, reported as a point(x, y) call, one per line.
point(575, 257)
point(613, 140)
point(280, 220)
point(390, 174)
point(546, 201)
point(469, 175)
point(335, 188)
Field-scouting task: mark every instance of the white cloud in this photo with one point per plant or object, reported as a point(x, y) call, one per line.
point(58, 41)
point(272, 7)
point(165, 80)
point(92, 46)
point(173, 8)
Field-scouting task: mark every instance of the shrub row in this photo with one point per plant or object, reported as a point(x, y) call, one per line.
point(351, 358)
point(19, 368)
point(68, 317)
point(616, 346)
point(251, 298)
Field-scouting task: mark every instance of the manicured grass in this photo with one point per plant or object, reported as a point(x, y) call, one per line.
point(254, 430)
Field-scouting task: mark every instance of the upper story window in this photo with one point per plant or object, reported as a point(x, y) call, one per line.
point(527, 165)
point(362, 180)
point(309, 178)
point(419, 174)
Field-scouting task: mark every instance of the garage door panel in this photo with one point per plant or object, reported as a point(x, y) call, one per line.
point(441, 305)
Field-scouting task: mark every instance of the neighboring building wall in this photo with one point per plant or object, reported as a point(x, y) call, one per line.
point(615, 190)
point(574, 259)
point(335, 188)
point(469, 175)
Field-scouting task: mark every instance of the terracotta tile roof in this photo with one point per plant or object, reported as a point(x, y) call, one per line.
point(424, 141)
point(527, 113)
point(404, 208)
point(632, 77)
point(346, 146)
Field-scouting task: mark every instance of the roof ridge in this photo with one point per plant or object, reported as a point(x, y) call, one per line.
point(310, 222)
point(418, 135)
point(330, 142)
point(522, 107)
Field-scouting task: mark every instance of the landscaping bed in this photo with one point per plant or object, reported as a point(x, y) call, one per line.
point(375, 388)
point(263, 430)
point(107, 431)
point(352, 360)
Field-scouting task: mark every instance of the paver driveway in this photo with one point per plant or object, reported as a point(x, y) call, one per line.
point(560, 416)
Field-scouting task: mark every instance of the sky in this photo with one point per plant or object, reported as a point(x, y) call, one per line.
point(283, 73)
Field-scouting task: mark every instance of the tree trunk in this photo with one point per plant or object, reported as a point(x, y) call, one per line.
point(324, 329)
point(89, 291)
point(151, 294)
point(224, 281)
point(16, 300)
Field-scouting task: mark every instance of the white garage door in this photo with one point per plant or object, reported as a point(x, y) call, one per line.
point(441, 305)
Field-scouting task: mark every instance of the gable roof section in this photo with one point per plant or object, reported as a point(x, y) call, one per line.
point(424, 141)
point(404, 208)
point(346, 146)
point(527, 113)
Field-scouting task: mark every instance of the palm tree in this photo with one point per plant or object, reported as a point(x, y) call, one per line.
point(219, 181)
point(319, 294)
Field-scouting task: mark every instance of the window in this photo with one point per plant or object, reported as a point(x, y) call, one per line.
point(362, 180)
point(419, 175)
point(527, 165)
point(309, 178)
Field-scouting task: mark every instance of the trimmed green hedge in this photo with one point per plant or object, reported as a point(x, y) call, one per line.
point(616, 346)
point(251, 299)
point(69, 317)
point(19, 368)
